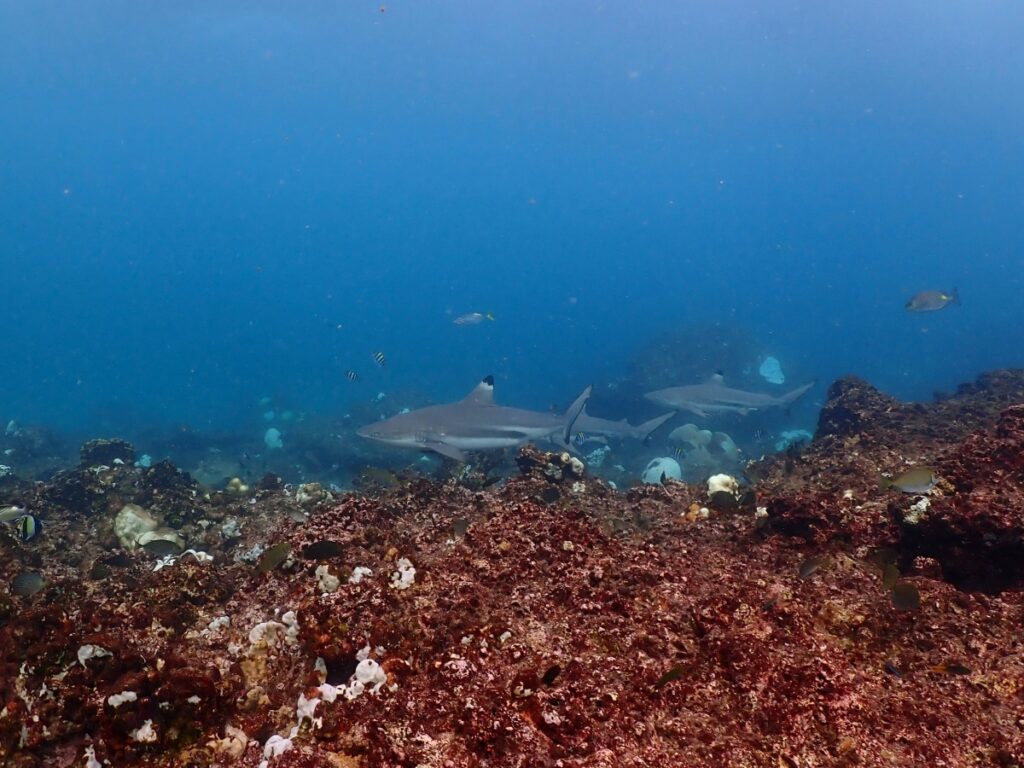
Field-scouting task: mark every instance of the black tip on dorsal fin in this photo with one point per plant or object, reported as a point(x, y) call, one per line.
point(719, 373)
point(483, 393)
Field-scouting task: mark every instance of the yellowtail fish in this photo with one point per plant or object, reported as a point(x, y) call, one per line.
point(379, 359)
point(273, 557)
point(915, 480)
point(931, 301)
point(351, 375)
point(472, 318)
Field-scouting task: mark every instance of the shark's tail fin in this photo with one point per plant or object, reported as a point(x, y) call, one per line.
point(574, 413)
point(643, 431)
point(791, 397)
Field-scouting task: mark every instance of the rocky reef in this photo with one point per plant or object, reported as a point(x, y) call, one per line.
point(829, 620)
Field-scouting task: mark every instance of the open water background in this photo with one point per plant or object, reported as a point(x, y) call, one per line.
point(202, 204)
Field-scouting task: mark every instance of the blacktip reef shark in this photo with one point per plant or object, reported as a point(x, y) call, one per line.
point(474, 423)
point(620, 430)
point(714, 397)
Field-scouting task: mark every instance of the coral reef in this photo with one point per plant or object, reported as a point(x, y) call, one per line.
point(825, 619)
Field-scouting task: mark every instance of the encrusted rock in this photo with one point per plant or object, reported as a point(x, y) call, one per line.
point(562, 624)
point(107, 451)
point(554, 467)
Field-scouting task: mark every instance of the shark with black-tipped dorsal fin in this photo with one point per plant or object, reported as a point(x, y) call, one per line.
point(713, 397)
point(474, 423)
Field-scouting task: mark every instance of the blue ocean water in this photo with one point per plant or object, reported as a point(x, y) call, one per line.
point(206, 204)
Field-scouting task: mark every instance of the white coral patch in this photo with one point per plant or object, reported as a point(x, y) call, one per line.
point(405, 576)
point(292, 623)
point(87, 652)
point(326, 581)
point(723, 484)
point(359, 573)
point(275, 747)
point(221, 622)
point(917, 511)
point(144, 734)
point(120, 698)
point(369, 672)
point(266, 633)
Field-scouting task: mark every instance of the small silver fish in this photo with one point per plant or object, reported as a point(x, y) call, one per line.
point(12, 513)
point(472, 318)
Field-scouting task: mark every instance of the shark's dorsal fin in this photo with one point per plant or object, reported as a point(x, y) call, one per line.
point(483, 393)
point(716, 378)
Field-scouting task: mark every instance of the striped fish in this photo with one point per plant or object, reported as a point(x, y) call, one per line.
point(28, 527)
point(379, 359)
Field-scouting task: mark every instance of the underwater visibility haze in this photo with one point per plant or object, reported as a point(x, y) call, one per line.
point(206, 204)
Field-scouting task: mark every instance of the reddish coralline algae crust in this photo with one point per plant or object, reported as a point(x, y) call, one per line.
point(551, 622)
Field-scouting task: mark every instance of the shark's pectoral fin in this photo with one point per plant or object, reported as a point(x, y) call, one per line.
point(449, 451)
point(643, 431)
